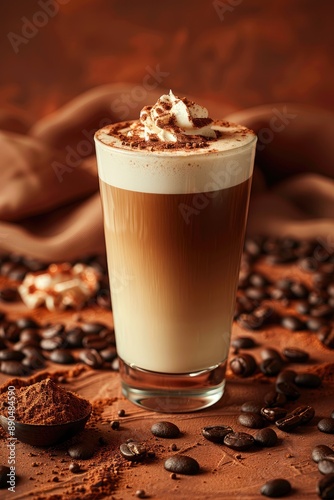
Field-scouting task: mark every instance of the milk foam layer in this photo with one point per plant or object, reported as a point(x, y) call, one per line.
point(222, 163)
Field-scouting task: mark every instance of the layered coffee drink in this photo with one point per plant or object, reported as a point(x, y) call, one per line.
point(175, 190)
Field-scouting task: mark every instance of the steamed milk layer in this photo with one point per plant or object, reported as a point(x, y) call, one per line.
point(174, 227)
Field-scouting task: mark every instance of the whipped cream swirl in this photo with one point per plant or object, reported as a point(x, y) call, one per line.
point(172, 118)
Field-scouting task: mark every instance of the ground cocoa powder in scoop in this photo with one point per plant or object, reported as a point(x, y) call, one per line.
point(46, 403)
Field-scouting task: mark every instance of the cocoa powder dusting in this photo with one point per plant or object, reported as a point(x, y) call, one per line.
point(46, 403)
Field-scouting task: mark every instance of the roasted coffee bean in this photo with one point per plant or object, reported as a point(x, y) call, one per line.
point(4, 474)
point(299, 290)
point(27, 322)
point(286, 376)
point(252, 247)
point(62, 356)
point(274, 399)
point(216, 433)
point(251, 420)
point(325, 487)
point(182, 464)
point(74, 337)
point(271, 366)
point(10, 331)
point(74, 467)
point(321, 451)
point(109, 354)
point(93, 341)
point(239, 440)
point(274, 413)
point(11, 354)
point(15, 368)
point(133, 451)
point(165, 430)
point(266, 437)
point(251, 407)
point(308, 380)
point(258, 280)
point(321, 279)
point(82, 450)
point(326, 337)
point(49, 344)
point(305, 413)
point(317, 297)
point(302, 307)
point(276, 488)
point(326, 425)
point(247, 305)
point(250, 322)
point(108, 334)
point(292, 323)
point(279, 294)
point(51, 331)
point(314, 324)
point(92, 327)
point(295, 355)
point(91, 357)
point(257, 293)
point(269, 353)
point(243, 343)
point(322, 311)
point(289, 389)
point(33, 362)
point(326, 466)
point(9, 295)
point(266, 314)
point(29, 336)
point(243, 365)
point(308, 264)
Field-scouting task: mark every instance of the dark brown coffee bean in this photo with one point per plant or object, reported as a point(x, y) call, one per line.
point(243, 365)
point(288, 423)
point(302, 307)
point(322, 311)
point(266, 437)
point(326, 337)
point(239, 440)
point(278, 294)
point(289, 389)
point(247, 305)
point(274, 399)
point(27, 322)
point(266, 314)
point(295, 355)
point(326, 425)
point(108, 334)
point(82, 450)
point(93, 341)
point(326, 466)
point(308, 264)
point(4, 475)
point(140, 494)
point(257, 293)
point(29, 336)
point(299, 290)
point(133, 451)
point(51, 331)
point(10, 331)
point(321, 451)
point(182, 464)
point(251, 407)
point(93, 327)
point(274, 413)
point(250, 322)
point(15, 368)
point(33, 362)
point(9, 295)
point(314, 324)
point(292, 323)
point(62, 356)
point(216, 433)
point(308, 380)
point(50, 344)
point(271, 366)
point(276, 488)
point(305, 413)
point(286, 376)
point(317, 297)
point(269, 353)
point(251, 420)
point(165, 429)
point(243, 342)
point(74, 467)
point(11, 354)
point(109, 354)
point(325, 488)
point(258, 280)
point(74, 337)
point(92, 358)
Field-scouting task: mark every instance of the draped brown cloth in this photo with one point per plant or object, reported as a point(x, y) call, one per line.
point(50, 205)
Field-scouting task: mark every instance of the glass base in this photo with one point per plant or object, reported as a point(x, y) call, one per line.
point(172, 393)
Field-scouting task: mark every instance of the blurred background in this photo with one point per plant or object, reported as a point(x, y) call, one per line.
point(240, 52)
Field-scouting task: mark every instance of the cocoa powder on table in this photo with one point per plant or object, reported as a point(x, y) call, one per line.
point(46, 403)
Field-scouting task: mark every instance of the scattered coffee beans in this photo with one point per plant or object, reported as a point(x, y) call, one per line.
point(216, 433)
